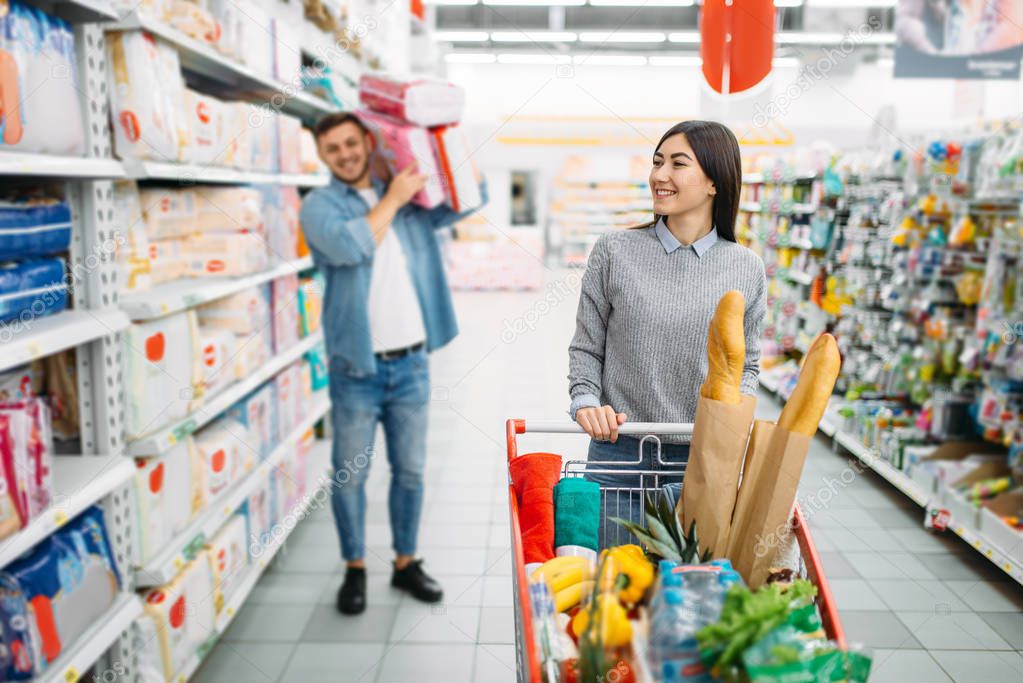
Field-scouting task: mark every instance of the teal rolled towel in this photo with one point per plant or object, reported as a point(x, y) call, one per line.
point(576, 513)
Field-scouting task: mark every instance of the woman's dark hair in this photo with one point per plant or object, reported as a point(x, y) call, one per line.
point(717, 152)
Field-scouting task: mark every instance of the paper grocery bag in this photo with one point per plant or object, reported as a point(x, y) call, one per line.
point(774, 464)
point(709, 490)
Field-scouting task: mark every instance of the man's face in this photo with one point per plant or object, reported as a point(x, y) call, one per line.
point(345, 149)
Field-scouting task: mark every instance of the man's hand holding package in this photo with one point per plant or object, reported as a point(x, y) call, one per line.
point(400, 192)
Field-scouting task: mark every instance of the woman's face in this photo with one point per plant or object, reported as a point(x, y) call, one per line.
point(677, 181)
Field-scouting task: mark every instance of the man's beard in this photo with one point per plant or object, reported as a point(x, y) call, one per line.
point(359, 175)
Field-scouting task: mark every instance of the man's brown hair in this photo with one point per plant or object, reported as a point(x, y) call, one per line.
point(335, 119)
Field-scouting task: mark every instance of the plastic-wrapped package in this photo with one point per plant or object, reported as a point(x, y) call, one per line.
point(41, 113)
point(256, 39)
point(33, 444)
point(284, 309)
point(460, 173)
point(225, 254)
point(287, 58)
point(254, 350)
point(289, 132)
point(55, 377)
point(281, 247)
point(160, 371)
point(419, 102)
point(291, 206)
point(87, 534)
point(229, 556)
point(194, 21)
point(402, 145)
point(205, 119)
point(317, 360)
point(229, 15)
point(163, 498)
point(19, 658)
point(166, 260)
point(262, 133)
point(34, 228)
point(307, 155)
point(219, 448)
point(217, 349)
point(32, 289)
point(229, 209)
point(169, 213)
point(132, 244)
point(310, 303)
point(243, 313)
point(146, 119)
point(258, 413)
point(287, 390)
point(11, 519)
point(258, 508)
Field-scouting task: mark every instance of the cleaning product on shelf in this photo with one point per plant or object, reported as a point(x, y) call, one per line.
point(32, 289)
point(164, 497)
point(403, 145)
point(33, 227)
point(420, 102)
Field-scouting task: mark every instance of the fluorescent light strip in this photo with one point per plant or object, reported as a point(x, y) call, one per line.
point(807, 38)
point(451, 2)
point(864, 4)
point(461, 36)
point(533, 37)
point(513, 58)
point(788, 3)
point(641, 3)
point(544, 3)
point(687, 37)
point(785, 63)
point(470, 58)
point(678, 60)
point(610, 60)
point(621, 37)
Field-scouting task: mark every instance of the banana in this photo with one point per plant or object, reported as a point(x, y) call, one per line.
point(568, 598)
point(570, 576)
point(557, 565)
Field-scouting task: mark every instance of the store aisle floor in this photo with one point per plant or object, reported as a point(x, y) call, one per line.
point(931, 608)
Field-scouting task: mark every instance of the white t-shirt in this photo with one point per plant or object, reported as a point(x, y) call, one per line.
point(395, 319)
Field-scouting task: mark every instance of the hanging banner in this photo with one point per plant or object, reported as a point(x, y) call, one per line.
point(962, 39)
point(736, 43)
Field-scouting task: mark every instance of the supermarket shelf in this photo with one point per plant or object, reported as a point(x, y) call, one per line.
point(319, 459)
point(1007, 564)
point(799, 277)
point(87, 650)
point(750, 206)
point(169, 563)
point(182, 294)
point(163, 439)
point(870, 458)
point(195, 173)
point(49, 334)
point(205, 63)
point(52, 166)
point(753, 178)
point(78, 482)
point(77, 11)
point(805, 245)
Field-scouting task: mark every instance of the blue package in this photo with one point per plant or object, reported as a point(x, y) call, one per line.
point(17, 658)
point(33, 289)
point(87, 534)
point(28, 230)
point(317, 359)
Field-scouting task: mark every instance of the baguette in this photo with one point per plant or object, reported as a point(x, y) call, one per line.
point(804, 409)
point(726, 350)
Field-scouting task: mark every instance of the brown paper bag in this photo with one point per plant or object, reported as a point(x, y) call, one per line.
point(711, 484)
point(774, 464)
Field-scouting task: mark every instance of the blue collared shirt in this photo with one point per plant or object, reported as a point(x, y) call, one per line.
point(671, 243)
point(341, 242)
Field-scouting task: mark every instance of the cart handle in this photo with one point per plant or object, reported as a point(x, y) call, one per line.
point(569, 427)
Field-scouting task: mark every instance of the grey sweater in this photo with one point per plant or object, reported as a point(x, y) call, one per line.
point(646, 302)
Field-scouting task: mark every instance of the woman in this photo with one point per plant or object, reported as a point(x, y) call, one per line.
point(648, 295)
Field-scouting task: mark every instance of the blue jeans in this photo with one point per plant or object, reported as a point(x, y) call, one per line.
point(396, 396)
point(621, 492)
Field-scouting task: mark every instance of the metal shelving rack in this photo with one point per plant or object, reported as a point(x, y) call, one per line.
point(98, 316)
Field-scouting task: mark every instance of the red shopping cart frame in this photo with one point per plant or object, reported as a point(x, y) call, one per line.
point(525, 646)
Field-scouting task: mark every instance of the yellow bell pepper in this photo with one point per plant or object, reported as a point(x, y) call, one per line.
point(630, 561)
point(614, 629)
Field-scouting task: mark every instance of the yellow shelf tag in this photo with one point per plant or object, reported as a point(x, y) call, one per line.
point(71, 674)
point(60, 518)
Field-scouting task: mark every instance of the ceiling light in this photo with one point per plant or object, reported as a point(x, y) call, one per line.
point(641, 3)
point(874, 39)
point(865, 4)
point(610, 60)
point(788, 3)
point(533, 37)
point(450, 2)
point(534, 2)
point(523, 58)
point(461, 36)
point(808, 38)
point(689, 37)
point(785, 63)
point(677, 60)
point(621, 37)
point(470, 58)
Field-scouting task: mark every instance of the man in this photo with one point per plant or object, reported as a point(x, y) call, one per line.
point(386, 306)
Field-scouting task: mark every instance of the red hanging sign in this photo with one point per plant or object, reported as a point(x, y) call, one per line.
point(736, 43)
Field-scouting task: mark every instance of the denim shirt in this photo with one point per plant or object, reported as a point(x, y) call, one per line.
point(341, 242)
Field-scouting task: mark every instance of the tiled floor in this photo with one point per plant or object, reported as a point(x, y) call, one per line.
point(930, 608)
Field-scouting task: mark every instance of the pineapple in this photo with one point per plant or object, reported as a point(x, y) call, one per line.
point(663, 536)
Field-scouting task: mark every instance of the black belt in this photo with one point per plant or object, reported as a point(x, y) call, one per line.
point(395, 354)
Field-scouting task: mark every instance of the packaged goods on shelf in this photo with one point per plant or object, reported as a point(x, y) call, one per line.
point(281, 206)
point(41, 112)
point(243, 313)
point(289, 133)
point(221, 452)
point(166, 260)
point(33, 227)
point(43, 613)
point(257, 412)
point(131, 242)
point(225, 254)
point(167, 490)
point(284, 309)
point(146, 97)
point(229, 16)
point(217, 350)
point(228, 209)
point(310, 302)
point(256, 33)
point(160, 371)
point(288, 391)
point(254, 350)
point(205, 119)
point(32, 289)
point(307, 154)
point(420, 102)
point(169, 212)
point(229, 556)
point(193, 20)
point(181, 615)
point(26, 459)
point(402, 145)
point(316, 357)
point(258, 515)
point(287, 59)
point(461, 176)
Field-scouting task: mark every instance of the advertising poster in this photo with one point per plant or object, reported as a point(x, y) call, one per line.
point(962, 39)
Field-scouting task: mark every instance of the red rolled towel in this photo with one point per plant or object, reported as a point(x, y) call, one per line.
point(534, 475)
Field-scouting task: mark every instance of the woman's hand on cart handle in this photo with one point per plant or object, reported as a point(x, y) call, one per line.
point(600, 423)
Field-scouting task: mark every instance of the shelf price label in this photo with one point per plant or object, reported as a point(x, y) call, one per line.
point(60, 518)
point(71, 675)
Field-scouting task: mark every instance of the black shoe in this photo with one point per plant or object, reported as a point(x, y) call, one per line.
point(417, 583)
point(351, 599)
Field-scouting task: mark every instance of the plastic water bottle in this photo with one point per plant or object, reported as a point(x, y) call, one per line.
point(701, 593)
point(664, 581)
point(674, 652)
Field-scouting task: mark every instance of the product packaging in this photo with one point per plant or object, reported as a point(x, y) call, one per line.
point(461, 177)
point(402, 145)
point(229, 556)
point(284, 309)
point(217, 350)
point(164, 498)
point(310, 303)
point(32, 229)
point(222, 453)
point(289, 135)
point(168, 212)
point(131, 242)
point(420, 102)
point(166, 260)
point(243, 313)
point(227, 254)
point(32, 289)
point(205, 119)
point(258, 413)
point(229, 209)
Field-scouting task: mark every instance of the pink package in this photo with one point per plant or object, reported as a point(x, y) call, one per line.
point(289, 131)
point(284, 309)
point(402, 144)
point(421, 102)
point(11, 517)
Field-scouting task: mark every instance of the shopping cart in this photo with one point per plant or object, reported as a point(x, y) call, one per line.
point(621, 502)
